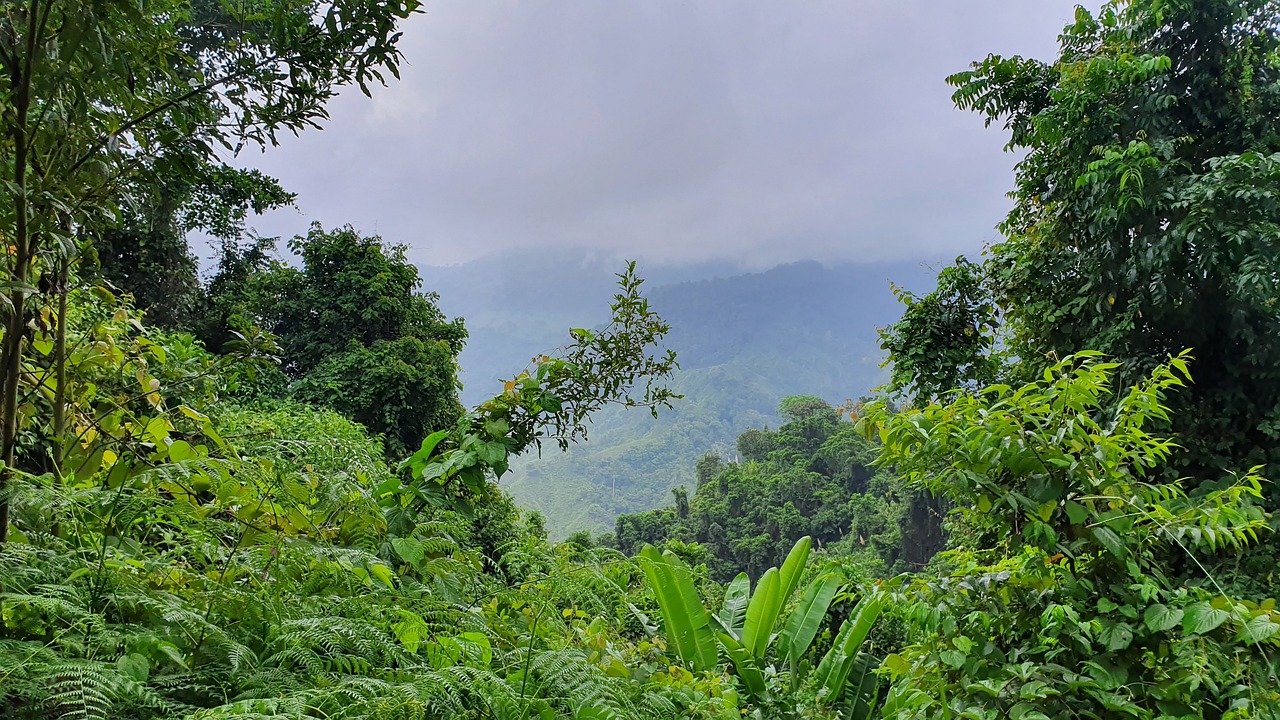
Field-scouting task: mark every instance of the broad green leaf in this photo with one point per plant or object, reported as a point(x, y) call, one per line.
point(896, 664)
point(429, 444)
point(382, 574)
point(833, 671)
point(1116, 635)
point(806, 619)
point(181, 451)
point(793, 567)
point(1258, 628)
point(551, 403)
point(492, 453)
point(683, 615)
point(1202, 617)
point(409, 549)
point(134, 666)
point(762, 614)
point(171, 651)
point(497, 427)
point(1108, 539)
point(734, 609)
point(743, 664)
point(862, 688)
point(1160, 618)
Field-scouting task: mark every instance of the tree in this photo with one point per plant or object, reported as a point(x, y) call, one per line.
point(351, 289)
point(355, 331)
point(402, 389)
point(1146, 216)
point(801, 407)
point(1059, 600)
point(707, 467)
point(814, 480)
point(191, 558)
point(94, 91)
point(145, 252)
point(944, 340)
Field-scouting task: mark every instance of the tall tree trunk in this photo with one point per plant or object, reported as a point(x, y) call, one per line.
point(24, 253)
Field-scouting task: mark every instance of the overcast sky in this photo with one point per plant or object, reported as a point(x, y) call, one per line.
point(672, 131)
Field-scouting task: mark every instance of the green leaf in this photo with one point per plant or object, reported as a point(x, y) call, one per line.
point(744, 665)
point(1116, 635)
point(409, 549)
point(1076, 512)
point(419, 458)
point(492, 453)
point(896, 665)
point(1108, 539)
point(733, 611)
point(1160, 618)
point(954, 658)
point(134, 666)
point(683, 615)
point(1202, 617)
point(762, 614)
point(181, 451)
point(171, 651)
point(1258, 628)
point(382, 574)
point(409, 630)
point(793, 567)
point(833, 671)
point(497, 427)
point(806, 619)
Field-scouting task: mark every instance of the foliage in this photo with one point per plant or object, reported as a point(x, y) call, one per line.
point(95, 93)
point(553, 400)
point(944, 340)
point(356, 335)
point(744, 341)
point(1058, 598)
point(744, 631)
point(811, 477)
point(146, 252)
point(1146, 213)
point(258, 560)
point(401, 388)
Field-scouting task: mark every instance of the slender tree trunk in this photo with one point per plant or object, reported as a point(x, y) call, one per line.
point(15, 330)
point(60, 368)
point(60, 375)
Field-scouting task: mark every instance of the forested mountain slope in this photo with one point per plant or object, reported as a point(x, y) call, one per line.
point(744, 341)
point(263, 500)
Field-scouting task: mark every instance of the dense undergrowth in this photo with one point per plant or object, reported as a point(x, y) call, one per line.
point(224, 523)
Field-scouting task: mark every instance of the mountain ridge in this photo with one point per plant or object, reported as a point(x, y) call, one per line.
point(744, 340)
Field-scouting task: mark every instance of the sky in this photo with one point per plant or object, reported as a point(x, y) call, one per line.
point(672, 131)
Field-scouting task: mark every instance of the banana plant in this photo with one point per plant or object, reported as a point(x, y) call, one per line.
point(845, 656)
point(683, 616)
point(805, 621)
point(746, 621)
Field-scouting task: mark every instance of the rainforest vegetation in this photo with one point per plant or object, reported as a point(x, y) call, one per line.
point(258, 495)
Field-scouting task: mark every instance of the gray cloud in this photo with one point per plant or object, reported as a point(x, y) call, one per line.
point(673, 130)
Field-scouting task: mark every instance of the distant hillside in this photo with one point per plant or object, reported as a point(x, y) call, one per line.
point(744, 341)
